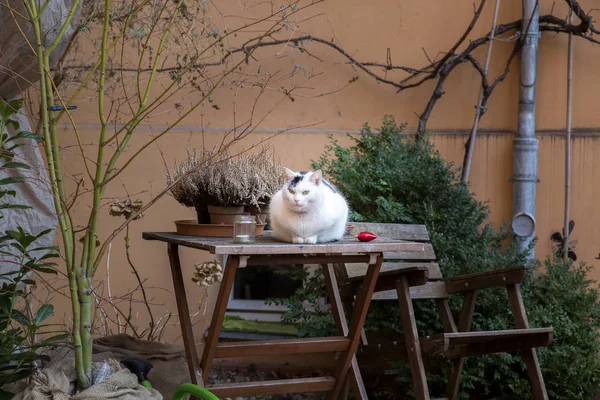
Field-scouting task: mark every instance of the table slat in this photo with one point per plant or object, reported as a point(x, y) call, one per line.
point(270, 245)
point(281, 346)
point(265, 388)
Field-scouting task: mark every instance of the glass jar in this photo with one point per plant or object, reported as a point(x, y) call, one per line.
point(244, 229)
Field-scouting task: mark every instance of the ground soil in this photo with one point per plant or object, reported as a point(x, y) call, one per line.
point(227, 375)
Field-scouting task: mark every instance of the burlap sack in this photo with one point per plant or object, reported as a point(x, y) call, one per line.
point(57, 380)
point(168, 360)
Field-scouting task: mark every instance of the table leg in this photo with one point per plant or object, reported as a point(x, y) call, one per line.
point(216, 323)
point(363, 300)
point(342, 329)
point(184, 315)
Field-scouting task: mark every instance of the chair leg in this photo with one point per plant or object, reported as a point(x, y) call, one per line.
point(531, 360)
point(346, 390)
point(446, 315)
point(413, 346)
point(454, 378)
point(457, 365)
point(464, 325)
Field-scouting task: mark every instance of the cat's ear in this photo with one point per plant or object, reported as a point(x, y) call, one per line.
point(288, 174)
point(316, 177)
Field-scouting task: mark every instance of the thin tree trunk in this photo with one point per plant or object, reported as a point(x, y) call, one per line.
point(568, 144)
point(471, 141)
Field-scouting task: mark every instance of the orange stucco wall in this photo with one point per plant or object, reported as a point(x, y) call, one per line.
point(366, 30)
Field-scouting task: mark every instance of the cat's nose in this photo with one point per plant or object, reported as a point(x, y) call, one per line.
point(297, 201)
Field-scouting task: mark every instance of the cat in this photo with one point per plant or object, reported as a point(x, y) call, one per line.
point(308, 209)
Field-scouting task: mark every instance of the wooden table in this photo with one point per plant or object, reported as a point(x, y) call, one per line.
point(268, 251)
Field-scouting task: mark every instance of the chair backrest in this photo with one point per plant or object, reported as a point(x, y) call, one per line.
point(435, 288)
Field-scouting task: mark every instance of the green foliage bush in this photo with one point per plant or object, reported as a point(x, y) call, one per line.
point(387, 177)
point(19, 325)
point(564, 297)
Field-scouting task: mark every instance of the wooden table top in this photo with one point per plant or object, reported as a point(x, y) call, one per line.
point(267, 244)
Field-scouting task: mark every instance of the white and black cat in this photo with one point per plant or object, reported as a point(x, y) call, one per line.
point(308, 209)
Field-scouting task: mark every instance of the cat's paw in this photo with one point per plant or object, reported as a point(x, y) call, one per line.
point(310, 240)
point(298, 240)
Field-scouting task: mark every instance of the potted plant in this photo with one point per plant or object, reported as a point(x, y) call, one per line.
point(265, 177)
point(227, 185)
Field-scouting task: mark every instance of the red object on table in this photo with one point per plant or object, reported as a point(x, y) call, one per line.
point(366, 236)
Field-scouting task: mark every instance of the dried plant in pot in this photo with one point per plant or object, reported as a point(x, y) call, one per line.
point(224, 185)
point(264, 174)
point(190, 190)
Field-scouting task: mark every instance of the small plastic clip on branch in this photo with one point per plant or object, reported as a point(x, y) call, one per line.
point(61, 108)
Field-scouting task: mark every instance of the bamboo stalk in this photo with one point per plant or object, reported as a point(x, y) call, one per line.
point(472, 137)
point(89, 249)
point(85, 274)
point(568, 142)
point(49, 143)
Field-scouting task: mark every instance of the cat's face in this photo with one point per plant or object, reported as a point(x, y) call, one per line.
point(302, 189)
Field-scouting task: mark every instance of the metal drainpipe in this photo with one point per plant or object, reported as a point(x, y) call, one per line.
point(525, 145)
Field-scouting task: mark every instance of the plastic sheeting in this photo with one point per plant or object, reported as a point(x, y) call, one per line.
point(18, 71)
point(34, 192)
point(18, 65)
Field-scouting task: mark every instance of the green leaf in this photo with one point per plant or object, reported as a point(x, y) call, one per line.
point(19, 247)
point(54, 339)
point(15, 164)
point(29, 135)
point(24, 238)
point(14, 207)
point(49, 248)
point(4, 395)
point(44, 269)
point(15, 105)
point(7, 193)
point(47, 256)
point(43, 233)
point(15, 124)
point(5, 304)
point(21, 374)
point(11, 180)
point(43, 313)
point(10, 108)
point(20, 317)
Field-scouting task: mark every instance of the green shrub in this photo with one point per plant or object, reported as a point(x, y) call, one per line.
point(305, 307)
point(387, 177)
point(565, 298)
point(19, 325)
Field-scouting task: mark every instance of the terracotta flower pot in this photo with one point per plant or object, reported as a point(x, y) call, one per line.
point(202, 214)
point(224, 215)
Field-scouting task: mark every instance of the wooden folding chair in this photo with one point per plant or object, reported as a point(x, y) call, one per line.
point(415, 275)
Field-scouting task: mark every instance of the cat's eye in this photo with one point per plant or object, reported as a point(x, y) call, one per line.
point(305, 192)
point(292, 191)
